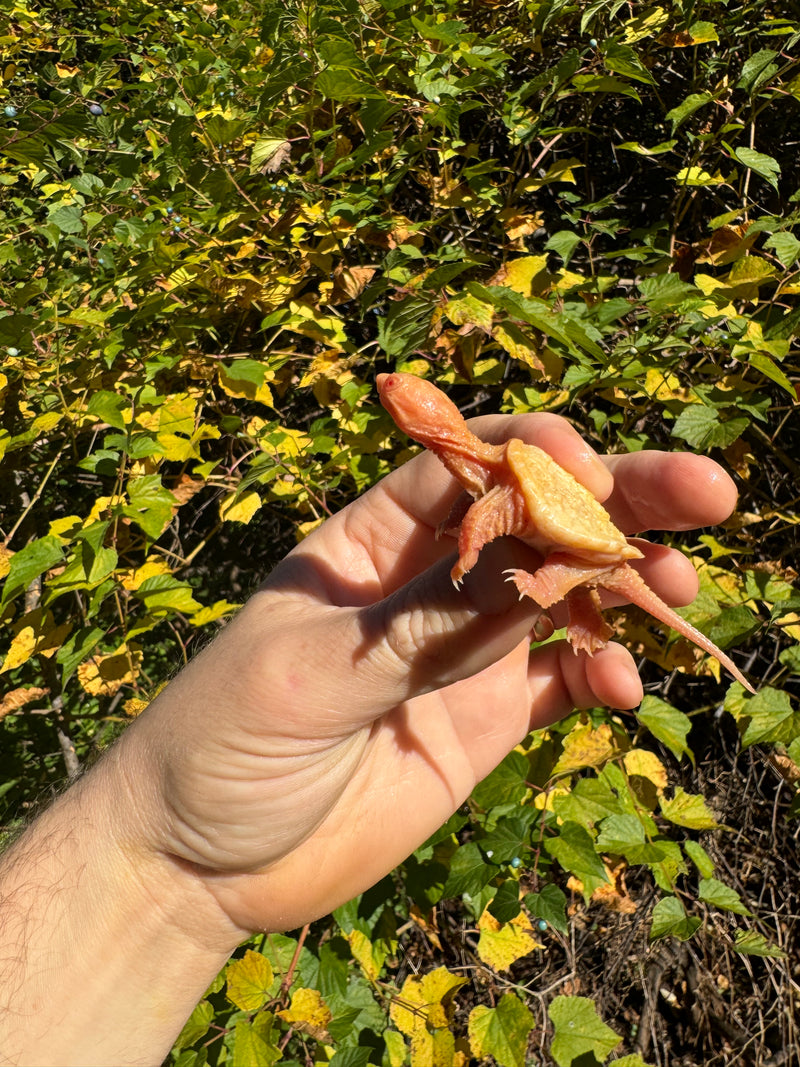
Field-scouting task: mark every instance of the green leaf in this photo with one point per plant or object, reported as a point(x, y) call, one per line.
point(501, 1032)
point(666, 723)
point(757, 70)
point(551, 905)
point(77, 648)
point(507, 783)
point(786, 247)
point(670, 920)
point(197, 1025)
point(510, 837)
point(666, 292)
point(27, 564)
point(623, 835)
point(564, 242)
point(66, 218)
point(762, 363)
point(469, 872)
point(699, 857)
point(703, 427)
point(763, 165)
point(162, 594)
point(579, 1031)
point(406, 327)
point(716, 893)
point(574, 849)
point(109, 407)
point(689, 810)
point(587, 802)
point(505, 904)
point(766, 717)
point(252, 1044)
point(622, 59)
point(752, 943)
point(687, 107)
point(150, 505)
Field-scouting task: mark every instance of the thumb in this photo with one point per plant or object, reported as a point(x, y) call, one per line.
point(428, 634)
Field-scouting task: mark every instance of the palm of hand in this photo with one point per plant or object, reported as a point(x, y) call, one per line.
point(358, 698)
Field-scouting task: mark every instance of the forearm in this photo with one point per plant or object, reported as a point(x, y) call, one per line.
point(105, 945)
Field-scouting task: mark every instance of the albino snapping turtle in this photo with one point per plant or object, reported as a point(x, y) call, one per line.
point(518, 489)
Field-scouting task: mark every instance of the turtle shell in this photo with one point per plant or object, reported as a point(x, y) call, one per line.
point(563, 512)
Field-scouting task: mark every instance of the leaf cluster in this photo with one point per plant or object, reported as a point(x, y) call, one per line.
point(218, 221)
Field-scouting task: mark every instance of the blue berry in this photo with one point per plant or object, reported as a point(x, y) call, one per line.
point(593, 42)
point(95, 109)
point(177, 218)
point(541, 925)
point(170, 210)
point(10, 111)
point(12, 351)
point(516, 862)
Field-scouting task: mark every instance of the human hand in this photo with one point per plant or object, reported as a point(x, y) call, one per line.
point(356, 700)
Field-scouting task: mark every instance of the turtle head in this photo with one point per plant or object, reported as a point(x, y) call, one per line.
point(424, 412)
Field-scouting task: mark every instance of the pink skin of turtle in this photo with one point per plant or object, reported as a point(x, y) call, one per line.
point(517, 489)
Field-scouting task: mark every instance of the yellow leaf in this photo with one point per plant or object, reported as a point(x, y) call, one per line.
point(303, 529)
point(640, 763)
point(18, 698)
point(213, 612)
point(517, 226)
point(34, 634)
point(560, 171)
point(149, 569)
point(177, 414)
point(235, 508)
point(527, 275)
point(369, 957)
point(395, 1048)
point(245, 388)
point(178, 449)
point(102, 504)
point(5, 560)
point(63, 528)
point(585, 746)
point(249, 981)
point(662, 385)
point(469, 311)
point(20, 650)
point(501, 944)
point(134, 706)
point(518, 346)
point(308, 1012)
point(104, 675)
point(426, 1002)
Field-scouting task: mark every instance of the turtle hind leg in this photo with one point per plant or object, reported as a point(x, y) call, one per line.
point(587, 630)
point(493, 515)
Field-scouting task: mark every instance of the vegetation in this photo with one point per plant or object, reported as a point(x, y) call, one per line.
point(218, 221)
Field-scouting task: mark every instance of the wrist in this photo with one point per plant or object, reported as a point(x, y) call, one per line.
point(110, 942)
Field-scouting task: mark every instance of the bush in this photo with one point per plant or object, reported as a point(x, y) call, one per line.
point(219, 221)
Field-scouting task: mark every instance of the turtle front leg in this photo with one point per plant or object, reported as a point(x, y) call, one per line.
point(461, 506)
point(493, 515)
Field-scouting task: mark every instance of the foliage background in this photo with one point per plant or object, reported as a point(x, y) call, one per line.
point(219, 220)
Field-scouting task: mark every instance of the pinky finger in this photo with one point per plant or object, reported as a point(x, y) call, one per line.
point(561, 680)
